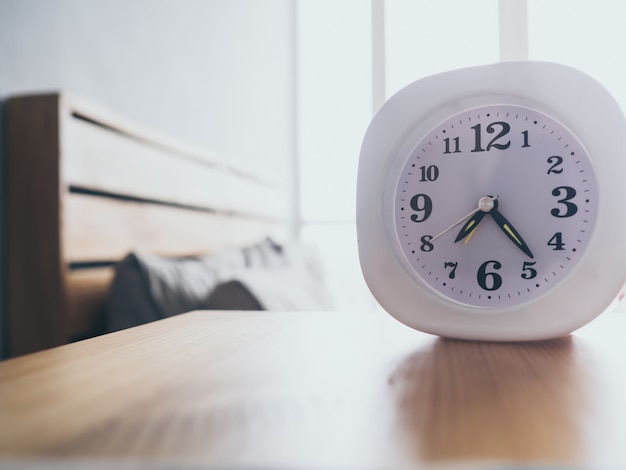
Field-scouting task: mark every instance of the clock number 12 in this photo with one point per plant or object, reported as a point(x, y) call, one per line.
point(504, 129)
point(500, 128)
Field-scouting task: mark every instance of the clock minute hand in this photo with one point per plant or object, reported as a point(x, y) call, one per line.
point(510, 232)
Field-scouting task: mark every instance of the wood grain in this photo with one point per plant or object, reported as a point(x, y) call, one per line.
point(107, 229)
point(34, 265)
point(86, 304)
point(120, 163)
point(318, 390)
point(87, 186)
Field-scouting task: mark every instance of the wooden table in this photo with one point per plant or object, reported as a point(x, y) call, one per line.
point(315, 389)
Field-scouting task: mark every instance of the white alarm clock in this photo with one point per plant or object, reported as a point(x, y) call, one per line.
point(491, 202)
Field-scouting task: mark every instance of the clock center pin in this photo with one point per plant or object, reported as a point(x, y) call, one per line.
point(487, 203)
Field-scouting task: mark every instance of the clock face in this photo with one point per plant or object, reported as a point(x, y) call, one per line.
point(495, 206)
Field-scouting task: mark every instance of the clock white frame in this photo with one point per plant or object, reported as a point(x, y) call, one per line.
point(568, 95)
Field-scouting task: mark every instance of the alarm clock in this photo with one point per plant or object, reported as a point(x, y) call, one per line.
point(491, 202)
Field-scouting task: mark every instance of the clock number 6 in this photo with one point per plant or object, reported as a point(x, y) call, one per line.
point(489, 280)
point(570, 207)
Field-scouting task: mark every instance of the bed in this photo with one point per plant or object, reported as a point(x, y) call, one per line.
point(85, 187)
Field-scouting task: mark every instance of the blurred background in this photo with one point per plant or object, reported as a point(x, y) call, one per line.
point(287, 88)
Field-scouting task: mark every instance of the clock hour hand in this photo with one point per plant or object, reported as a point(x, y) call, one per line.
point(510, 231)
point(485, 205)
point(468, 228)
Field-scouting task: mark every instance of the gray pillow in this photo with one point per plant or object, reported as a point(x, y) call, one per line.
point(232, 295)
point(278, 289)
point(266, 276)
point(147, 288)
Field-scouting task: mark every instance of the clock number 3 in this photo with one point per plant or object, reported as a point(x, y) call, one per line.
point(570, 207)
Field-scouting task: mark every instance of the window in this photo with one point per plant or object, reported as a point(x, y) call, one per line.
point(334, 102)
point(338, 41)
point(423, 38)
point(586, 34)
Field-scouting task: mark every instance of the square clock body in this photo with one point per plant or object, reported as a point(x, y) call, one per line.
point(491, 201)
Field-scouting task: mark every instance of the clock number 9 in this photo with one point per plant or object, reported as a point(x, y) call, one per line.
point(423, 205)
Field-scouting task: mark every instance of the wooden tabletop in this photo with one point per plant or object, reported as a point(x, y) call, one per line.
point(315, 390)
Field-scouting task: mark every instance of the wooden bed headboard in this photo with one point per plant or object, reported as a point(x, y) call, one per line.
point(84, 187)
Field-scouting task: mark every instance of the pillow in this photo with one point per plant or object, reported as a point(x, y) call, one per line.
point(147, 288)
point(278, 288)
point(232, 295)
point(263, 276)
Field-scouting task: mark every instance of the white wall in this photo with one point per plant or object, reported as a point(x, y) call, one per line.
point(215, 73)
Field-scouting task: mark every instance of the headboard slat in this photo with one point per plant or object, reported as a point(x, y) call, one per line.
point(101, 159)
point(99, 228)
